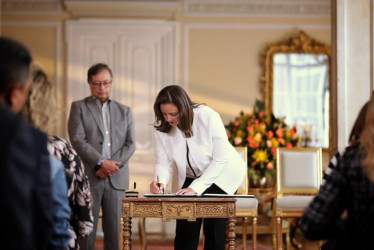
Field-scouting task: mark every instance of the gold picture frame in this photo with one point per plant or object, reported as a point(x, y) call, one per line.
point(298, 44)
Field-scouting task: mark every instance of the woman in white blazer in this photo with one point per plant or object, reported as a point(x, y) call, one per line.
point(193, 137)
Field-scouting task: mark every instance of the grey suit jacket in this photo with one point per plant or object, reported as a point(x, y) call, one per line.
point(86, 132)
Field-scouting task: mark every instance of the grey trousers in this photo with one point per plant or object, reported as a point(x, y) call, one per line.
point(106, 198)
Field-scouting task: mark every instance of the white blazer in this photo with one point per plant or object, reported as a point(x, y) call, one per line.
point(210, 149)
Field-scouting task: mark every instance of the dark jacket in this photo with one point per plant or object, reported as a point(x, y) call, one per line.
point(25, 185)
point(345, 189)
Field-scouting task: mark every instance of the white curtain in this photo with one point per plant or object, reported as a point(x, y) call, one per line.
point(301, 94)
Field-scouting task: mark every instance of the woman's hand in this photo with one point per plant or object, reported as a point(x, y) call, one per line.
point(155, 189)
point(185, 191)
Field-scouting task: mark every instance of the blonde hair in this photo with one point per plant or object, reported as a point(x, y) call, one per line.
point(40, 106)
point(367, 142)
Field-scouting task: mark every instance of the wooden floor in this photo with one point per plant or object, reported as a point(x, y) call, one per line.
point(264, 242)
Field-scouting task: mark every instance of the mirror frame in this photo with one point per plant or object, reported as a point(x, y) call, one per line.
point(300, 44)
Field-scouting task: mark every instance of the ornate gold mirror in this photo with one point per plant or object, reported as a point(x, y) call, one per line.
point(296, 85)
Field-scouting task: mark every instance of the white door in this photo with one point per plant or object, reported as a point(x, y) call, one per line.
point(143, 57)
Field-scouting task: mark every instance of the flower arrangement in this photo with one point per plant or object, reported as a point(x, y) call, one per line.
point(262, 135)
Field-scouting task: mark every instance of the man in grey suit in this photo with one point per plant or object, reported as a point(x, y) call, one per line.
point(101, 131)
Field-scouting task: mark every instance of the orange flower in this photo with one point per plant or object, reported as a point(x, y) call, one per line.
point(270, 134)
point(289, 145)
point(236, 124)
point(249, 139)
point(249, 129)
point(274, 151)
point(254, 164)
point(270, 166)
point(261, 114)
point(281, 141)
point(253, 144)
point(279, 132)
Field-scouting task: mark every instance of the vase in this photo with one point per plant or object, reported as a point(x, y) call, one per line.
point(269, 182)
point(256, 180)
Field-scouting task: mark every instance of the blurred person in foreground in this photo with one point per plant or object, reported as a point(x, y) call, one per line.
point(40, 110)
point(101, 130)
point(25, 177)
point(343, 211)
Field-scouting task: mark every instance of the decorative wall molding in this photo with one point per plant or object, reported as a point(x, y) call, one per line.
point(286, 8)
point(58, 76)
point(169, 8)
point(123, 8)
point(30, 6)
point(143, 56)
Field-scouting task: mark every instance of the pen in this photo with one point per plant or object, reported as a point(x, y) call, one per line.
point(159, 185)
point(158, 182)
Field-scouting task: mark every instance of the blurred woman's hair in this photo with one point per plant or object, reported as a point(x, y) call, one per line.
point(367, 141)
point(358, 126)
point(40, 107)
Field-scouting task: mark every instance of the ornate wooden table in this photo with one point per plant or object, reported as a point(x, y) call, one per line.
point(178, 208)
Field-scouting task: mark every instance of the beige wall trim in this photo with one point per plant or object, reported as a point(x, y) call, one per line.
point(59, 90)
point(354, 68)
point(188, 27)
point(166, 9)
point(33, 6)
point(286, 8)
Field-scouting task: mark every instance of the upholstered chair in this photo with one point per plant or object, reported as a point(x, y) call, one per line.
point(246, 207)
point(299, 176)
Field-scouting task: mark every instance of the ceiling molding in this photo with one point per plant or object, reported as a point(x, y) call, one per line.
point(286, 8)
point(122, 8)
point(169, 8)
point(30, 6)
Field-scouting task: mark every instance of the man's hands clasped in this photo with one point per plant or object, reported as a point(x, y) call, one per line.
point(108, 168)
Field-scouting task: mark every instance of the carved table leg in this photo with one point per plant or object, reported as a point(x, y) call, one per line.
point(126, 233)
point(230, 230)
point(244, 236)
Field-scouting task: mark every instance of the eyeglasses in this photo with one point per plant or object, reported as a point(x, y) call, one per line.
point(104, 83)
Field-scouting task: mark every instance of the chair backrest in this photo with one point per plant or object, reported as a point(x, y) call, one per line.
point(243, 189)
point(299, 170)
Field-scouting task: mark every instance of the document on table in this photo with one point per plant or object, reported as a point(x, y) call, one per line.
point(198, 196)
